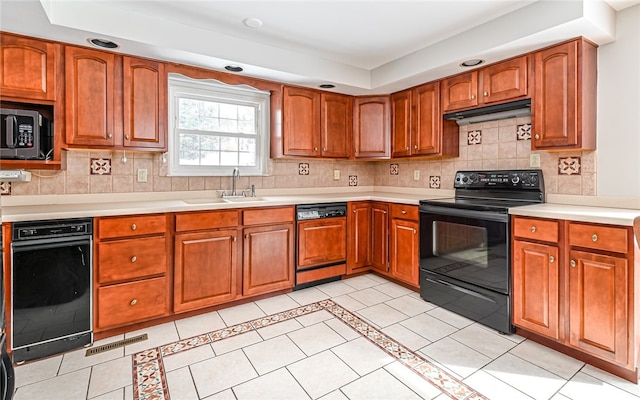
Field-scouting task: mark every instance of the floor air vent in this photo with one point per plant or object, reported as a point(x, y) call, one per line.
point(115, 345)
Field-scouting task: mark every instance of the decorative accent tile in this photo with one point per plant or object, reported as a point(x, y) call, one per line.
point(434, 182)
point(303, 168)
point(5, 188)
point(394, 169)
point(149, 375)
point(524, 132)
point(353, 180)
point(100, 166)
point(474, 137)
point(569, 166)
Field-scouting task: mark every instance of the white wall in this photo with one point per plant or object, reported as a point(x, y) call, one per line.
point(618, 152)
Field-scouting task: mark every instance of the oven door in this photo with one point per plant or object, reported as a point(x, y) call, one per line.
point(466, 245)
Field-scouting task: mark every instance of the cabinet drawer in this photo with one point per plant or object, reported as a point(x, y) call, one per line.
point(404, 211)
point(598, 237)
point(131, 302)
point(206, 220)
point(268, 216)
point(131, 226)
point(537, 229)
point(131, 259)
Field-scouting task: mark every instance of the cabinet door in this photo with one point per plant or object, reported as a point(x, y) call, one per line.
point(371, 127)
point(301, 122)
point(401, 124)
point(460, 91)
point(380, 237)
point(404, 247)
point(90, 78)
point(427, 121)
point(536, 293)
point(268, 262)
point(205, 270)
point(28, 67)
point(358, 237)
point(144, 103)
point(599, 307)
point(336, 125)
point(322, 241)
point(504, 81)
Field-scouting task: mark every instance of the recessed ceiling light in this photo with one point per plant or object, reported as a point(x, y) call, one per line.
point(234, 68)
point(471, 63)
point(105, 44)
point(326, 86)
point(253, 22)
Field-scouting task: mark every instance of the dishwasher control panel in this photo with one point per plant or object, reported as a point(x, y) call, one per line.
point(54, 228)
point(318, 211)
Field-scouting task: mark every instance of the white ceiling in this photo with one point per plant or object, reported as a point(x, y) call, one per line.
point(360, 46)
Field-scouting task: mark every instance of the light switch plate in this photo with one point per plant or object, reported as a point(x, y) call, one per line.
point(336, 174)
point(142, 175)
point(416, 175)
point(534, 160)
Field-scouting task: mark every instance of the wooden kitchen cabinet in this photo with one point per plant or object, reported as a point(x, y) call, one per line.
point(404, 243)
point(132, 281)
point(536, 276)
point(316, 124)
point(380, 237)
point(268, 262)
point(371, 130)
point(359, 234)
point(499, 82)
point(564, 100)
point(28, 68)
point(401, 124)
point(114, 102)
point(205, 262)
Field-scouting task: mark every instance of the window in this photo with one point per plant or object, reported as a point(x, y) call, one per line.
point(215, 127)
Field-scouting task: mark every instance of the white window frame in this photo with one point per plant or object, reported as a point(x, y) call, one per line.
point(213, 90)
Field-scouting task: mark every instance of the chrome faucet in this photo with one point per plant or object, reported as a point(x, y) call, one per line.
point(234, 178)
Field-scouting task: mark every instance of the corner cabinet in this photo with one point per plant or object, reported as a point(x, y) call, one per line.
point(564, 100)
point(371, 127)
point(574, 284)
point(114, 102)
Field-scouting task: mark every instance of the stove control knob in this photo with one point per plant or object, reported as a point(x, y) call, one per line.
point(474, 177)
point(515, 178)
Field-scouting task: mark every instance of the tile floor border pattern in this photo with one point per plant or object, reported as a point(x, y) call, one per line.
point(149, 380)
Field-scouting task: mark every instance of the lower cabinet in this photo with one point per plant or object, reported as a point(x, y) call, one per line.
point(359, 235)
point(404, 243)
point(573, 282)
point(125, 303)
point(380, 237)
point(205, 261)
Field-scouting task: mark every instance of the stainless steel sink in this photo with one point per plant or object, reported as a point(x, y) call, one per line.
point(204, 201)
point(243, 199)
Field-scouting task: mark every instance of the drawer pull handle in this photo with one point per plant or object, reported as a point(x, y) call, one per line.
point(134, 259)
point(133, 302)
point(594, 237)
point(404, 211)
point(533, 229)
point(551, 259)
point(134, 227)
point(573, 263)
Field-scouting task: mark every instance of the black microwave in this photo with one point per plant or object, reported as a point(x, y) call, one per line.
point(25, 135)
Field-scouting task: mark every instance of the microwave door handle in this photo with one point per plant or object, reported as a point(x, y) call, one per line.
point(12, 123)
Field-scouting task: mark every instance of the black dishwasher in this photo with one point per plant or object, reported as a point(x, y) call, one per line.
point(51, 282)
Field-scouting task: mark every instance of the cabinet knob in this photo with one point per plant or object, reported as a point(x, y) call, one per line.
point(127, 136)
point(533, 229)
point(407, 148)
point(537, 136)
point(573, 263)
point(134, 259)
point(133, 302)
point(315, 149)
point(247, 235)
point(384, 212)
point(109, 135)
point(324, 149)
point(354, 211)
point(594, 237)
point(415, 146)
point(414, 231)
point(486, 94)
point(134, 227)
point(404, 211)
point(551, 259)
point(473, 96)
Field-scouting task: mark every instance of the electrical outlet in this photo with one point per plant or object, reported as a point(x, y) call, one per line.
point(142, 175)
point(336, 174)
point(416, 175)
point(534, 160)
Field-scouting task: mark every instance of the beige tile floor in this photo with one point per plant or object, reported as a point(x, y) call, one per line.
point(317, 356)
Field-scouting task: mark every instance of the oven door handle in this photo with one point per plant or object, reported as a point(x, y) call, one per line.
point(43, 244)
point(461, 289)
point(457, 212)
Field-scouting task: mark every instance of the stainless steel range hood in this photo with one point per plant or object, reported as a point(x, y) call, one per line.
point(513, 109)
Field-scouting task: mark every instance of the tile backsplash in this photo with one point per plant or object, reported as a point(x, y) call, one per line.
point(504, 144)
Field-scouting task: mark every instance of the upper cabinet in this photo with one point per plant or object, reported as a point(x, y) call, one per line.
point(506, 80)
point(316, 124)
point(417, 125)
point(28, 68)
point(113, 101)
point(371, 127)
point(564, 101)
